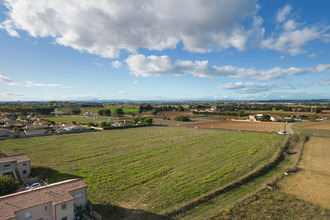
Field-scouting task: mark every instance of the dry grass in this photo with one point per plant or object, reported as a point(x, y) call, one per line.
point(312, 183)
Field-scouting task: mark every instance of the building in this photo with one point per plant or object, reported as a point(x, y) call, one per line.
point(18, 166)
point(58, 201)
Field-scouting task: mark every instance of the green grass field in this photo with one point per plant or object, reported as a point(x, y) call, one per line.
point(155, 169)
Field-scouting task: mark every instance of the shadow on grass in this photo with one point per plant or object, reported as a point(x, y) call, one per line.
point(109, 211)
point(51, 176)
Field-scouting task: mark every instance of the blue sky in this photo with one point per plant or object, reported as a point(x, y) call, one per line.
point(164, 50)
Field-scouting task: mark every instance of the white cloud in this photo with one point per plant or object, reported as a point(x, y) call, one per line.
point(293, 36)
point(5, 79)
point(323, 82)
point(312, 55)
point(136, 82)
point(10, 94)
point(248, 87)
point(141, 65)
point(98, 64)
point(116, 64)
point(122, 92)
point(283, 13)
point(52, 85)
point(105, 28)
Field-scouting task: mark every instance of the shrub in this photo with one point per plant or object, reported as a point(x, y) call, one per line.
point(182, 118)
point(8, 185)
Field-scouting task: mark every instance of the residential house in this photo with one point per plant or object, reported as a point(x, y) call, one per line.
point(57, 201)
point(34, 132)
point(72, 127)
point(276, 118)
point(18, 166)
point(11, 124)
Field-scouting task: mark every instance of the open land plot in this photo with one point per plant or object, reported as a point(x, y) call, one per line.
point(274, 204)
point(313, 181)
point(242, 125)
point(320, 128)
point(155, 169)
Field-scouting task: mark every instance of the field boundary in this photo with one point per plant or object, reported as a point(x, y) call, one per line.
point(235, 184)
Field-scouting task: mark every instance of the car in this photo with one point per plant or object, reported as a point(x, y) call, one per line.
point(33, 186)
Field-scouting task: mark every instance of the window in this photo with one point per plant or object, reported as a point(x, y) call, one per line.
point(78, 195)
point(46, 208)
point(24, 164)
point(64, 206)
point(6, 165)
point(28, 215)
point(24, 171)
point(65, 218)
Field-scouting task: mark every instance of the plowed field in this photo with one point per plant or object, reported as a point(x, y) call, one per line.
point(242, 125)
point(314, 125)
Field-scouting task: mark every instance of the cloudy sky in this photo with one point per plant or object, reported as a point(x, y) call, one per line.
point(164, 49)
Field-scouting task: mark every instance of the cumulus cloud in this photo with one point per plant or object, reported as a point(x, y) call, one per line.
point(323, 82)
point(141, 65)
point(116, 64)
point(136, 82)
point(105, 28)
point(283, 13)
point(52, 85)
point(5, 79)
point(248, 87)
point(293, 36)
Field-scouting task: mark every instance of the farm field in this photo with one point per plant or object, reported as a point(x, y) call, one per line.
point(274, 204)
point(320, 128)
point(153, 169)
point(242, 125)
point(312, 182)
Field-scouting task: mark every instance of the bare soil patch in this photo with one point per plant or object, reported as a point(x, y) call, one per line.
point(312, 183)
point(242, 125)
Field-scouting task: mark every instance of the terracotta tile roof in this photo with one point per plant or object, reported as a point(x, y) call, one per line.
point(18, 158)
point(56, 193)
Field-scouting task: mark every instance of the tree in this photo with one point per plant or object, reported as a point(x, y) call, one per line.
point(182, 118)
point(265, 117)
point(118, 112)
point(154, 112)
point(148, 121)
point(103, 124)
point(75, 111)
point(8, 185)
point(101, 112)
point(107, 112)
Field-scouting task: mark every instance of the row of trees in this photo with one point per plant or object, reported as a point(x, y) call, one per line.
point(118, 112)
point(27, 110)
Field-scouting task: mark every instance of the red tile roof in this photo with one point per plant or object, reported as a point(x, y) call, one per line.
point(18, 158)
point(56, 193)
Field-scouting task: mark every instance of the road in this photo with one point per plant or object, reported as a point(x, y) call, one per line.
point(288, 128)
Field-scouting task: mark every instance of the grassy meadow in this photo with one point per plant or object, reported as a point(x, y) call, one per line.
point(155, 169)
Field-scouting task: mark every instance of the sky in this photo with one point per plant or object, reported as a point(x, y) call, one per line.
point(164, 50)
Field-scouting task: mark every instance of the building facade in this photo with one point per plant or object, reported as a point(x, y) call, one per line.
point(58, 201)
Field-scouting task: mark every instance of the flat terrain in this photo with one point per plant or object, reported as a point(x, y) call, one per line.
point(148, 171)
point(242, 125)
point(320, 128)
point(312, 183)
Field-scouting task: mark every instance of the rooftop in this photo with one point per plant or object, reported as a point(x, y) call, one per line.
point(18, 158)
point(56, 193)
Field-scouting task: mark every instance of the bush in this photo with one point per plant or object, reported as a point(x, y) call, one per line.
point(182, 118)
point(8, 185)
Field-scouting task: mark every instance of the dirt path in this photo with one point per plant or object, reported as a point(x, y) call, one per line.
point(312, 183)
point(288, 128)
